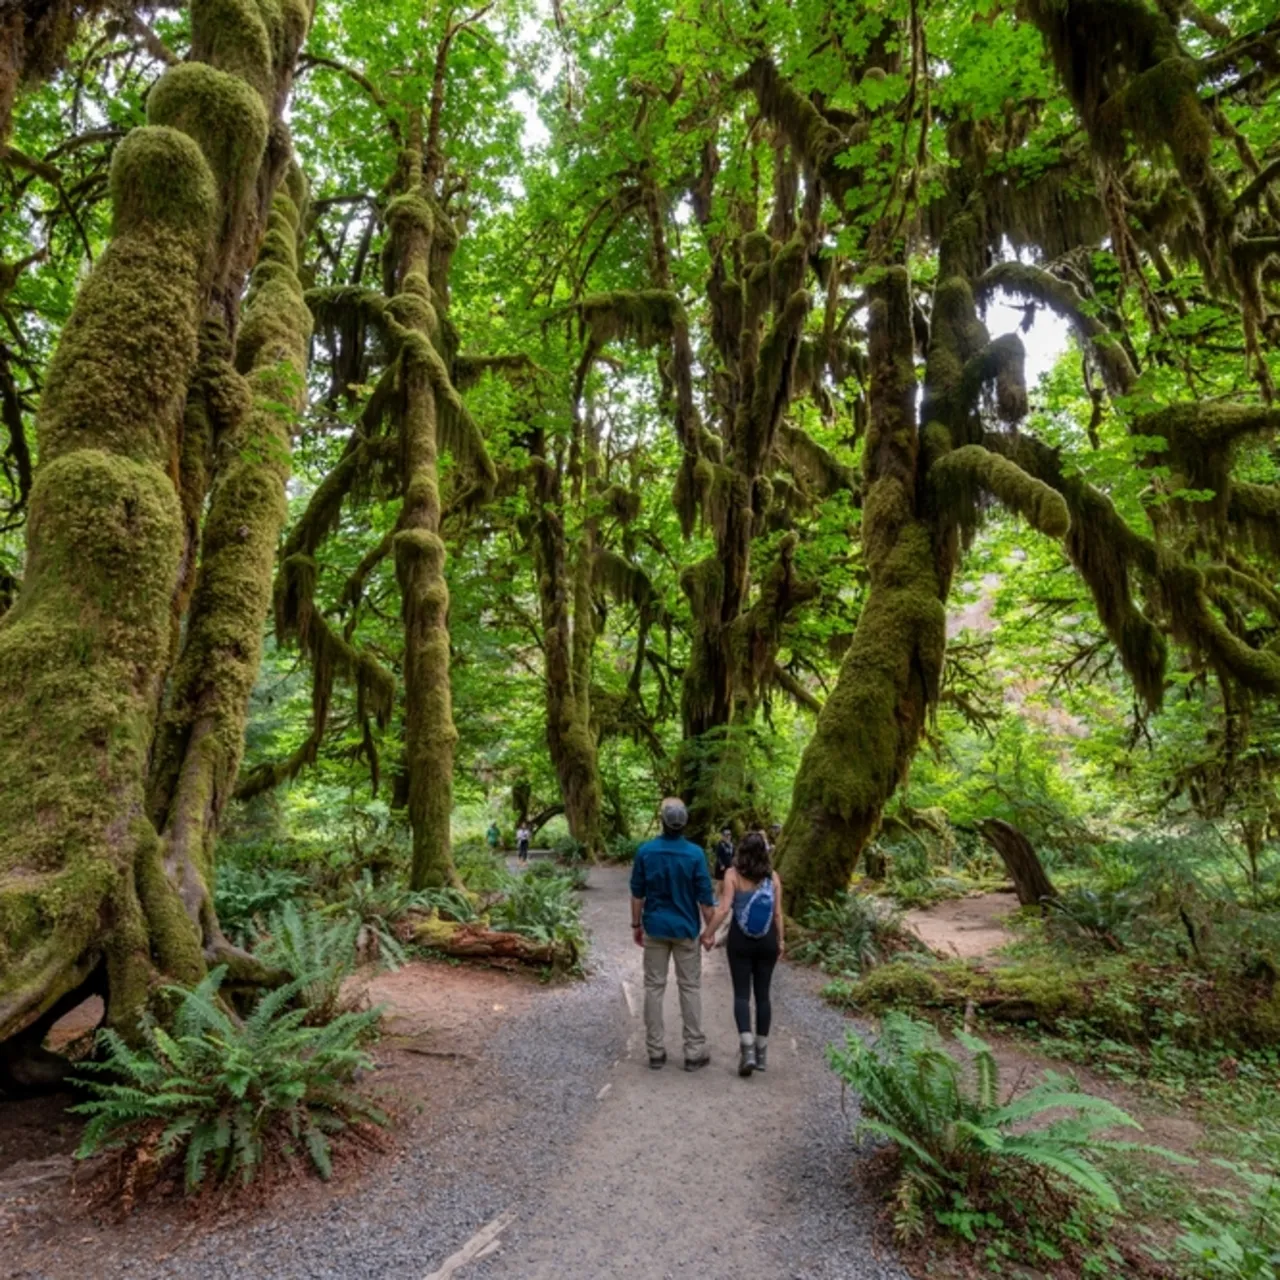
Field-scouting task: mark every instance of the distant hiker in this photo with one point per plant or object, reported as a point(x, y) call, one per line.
point(723, 853)
point(752, 893)
point(775, 834)
point(523, 836)
point(670, 889)
point(493, 835)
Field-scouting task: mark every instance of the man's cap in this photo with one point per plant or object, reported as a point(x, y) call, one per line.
point(675, 817)
point(726, 831)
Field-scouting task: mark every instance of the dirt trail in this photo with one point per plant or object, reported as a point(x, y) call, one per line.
point(966, 927)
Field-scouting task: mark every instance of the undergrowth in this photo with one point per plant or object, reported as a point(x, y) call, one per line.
point(1022, 1176)
point(222, 1095)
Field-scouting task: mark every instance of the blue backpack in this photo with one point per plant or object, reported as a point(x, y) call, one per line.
point(755, 916)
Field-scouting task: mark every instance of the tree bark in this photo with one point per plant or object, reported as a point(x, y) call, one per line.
point(1030, 880)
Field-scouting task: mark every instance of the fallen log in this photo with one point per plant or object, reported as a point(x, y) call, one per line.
point(477, 941)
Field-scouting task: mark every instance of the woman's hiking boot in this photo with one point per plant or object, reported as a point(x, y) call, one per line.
point(747, 1055)
point(762, 1049)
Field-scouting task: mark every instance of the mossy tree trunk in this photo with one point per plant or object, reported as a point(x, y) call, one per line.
point(871, 723)
point(758, 309)
point(202, 733)
point(421, 234)
point(568, 639)
point(922, 495)
point(1030, 880)
point(85, 901)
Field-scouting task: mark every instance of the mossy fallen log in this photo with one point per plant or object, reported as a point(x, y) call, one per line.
point(476, 941)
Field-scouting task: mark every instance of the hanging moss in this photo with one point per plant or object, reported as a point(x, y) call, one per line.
point(625, 581)
point(1037, 285)
point(645, 316)
point(1201, 439)
point(817, 467)
point(1106, 551)
point(1255, 510)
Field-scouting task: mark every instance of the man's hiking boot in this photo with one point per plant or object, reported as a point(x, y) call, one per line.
point(696, 1064)
point(656, 1064)
point(746, 1057)
point(762, 1049)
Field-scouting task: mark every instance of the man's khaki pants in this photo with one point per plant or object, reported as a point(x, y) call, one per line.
point(687, 954)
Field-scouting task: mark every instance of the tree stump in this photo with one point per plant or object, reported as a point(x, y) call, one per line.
point(1030, 880)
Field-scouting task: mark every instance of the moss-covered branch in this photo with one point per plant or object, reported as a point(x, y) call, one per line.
point(955, 477)
point(1037, 285)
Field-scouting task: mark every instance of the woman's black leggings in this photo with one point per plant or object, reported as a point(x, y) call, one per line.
point(751, 964)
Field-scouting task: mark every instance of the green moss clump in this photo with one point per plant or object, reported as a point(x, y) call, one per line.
point(233, 35)
point(159, 176)
point(224, 115)
point(898, 984)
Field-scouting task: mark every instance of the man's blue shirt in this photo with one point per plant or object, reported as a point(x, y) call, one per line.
point(670, 874)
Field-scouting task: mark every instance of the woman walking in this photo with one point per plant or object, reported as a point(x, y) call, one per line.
point(753, 894)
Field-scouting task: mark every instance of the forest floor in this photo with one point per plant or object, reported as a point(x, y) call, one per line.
point(527, 1110)
point(969, 927)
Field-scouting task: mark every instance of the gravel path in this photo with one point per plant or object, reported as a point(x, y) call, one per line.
point(601, 1167)
point(677, 1174)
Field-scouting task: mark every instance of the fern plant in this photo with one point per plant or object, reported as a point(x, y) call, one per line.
point(245, 895)
point(956, 1137)
point(544, 909)
point(848, 934)
point(220, 1093)
point(448, 903)
point(318, 955)
point(376, 907)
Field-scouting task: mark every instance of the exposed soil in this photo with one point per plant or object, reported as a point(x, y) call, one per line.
point(970, 928)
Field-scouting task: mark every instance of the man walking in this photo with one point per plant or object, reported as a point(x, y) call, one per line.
point(670, 889)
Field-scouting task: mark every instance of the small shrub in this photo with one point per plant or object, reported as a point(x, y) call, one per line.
point(568, 849)
point(221, 1094)
point(849, 934)
point(1100, 915)
point(621, 849)
point(963, 1152)
point(574, 873)
point(245, 895)
point(1234, 1237)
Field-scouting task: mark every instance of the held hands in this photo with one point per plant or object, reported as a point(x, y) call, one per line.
point(708, 939)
